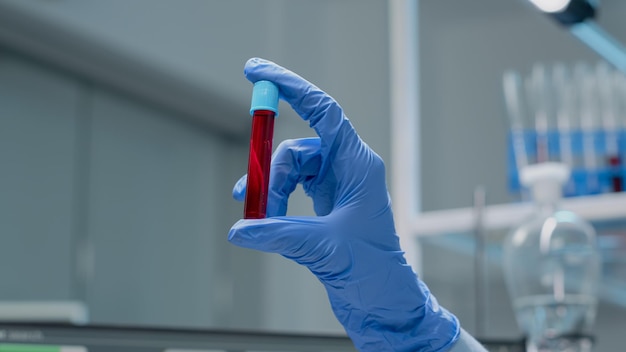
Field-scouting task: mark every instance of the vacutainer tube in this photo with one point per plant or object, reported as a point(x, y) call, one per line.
point(263, 109)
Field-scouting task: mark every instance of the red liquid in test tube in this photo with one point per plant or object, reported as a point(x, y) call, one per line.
point(264, 109)
point(259, 164)
point(615, 164)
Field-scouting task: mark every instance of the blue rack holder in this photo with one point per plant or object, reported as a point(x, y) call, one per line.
point(584, 180)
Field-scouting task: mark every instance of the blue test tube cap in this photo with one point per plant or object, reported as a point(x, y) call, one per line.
point(264, 97)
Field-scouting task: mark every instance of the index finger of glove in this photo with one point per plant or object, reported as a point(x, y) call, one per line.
point(311, 103)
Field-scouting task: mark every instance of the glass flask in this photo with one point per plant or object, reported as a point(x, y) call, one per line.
point(551, 264)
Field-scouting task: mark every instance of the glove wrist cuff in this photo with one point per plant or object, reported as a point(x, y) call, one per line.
point(403, 317)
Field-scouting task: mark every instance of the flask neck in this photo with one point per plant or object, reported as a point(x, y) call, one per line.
point(545, 181)
point(547, 207)
point(547, 193)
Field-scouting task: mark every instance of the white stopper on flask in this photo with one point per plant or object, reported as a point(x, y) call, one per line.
point(545, 180)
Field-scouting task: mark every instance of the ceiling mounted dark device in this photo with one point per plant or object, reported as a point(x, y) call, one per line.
point(578, 16)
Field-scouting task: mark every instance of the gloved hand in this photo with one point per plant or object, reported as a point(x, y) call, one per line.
point(351, 246)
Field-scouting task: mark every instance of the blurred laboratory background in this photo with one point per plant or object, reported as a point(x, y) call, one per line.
point(124, 125)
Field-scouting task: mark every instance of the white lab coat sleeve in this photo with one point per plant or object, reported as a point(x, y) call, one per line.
point(467, 343)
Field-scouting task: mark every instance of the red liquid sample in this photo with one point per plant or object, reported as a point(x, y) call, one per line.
point(259, 161)
point(615, 164)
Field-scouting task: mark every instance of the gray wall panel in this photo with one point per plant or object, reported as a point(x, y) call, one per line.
point(37, 175)
point(153, 216)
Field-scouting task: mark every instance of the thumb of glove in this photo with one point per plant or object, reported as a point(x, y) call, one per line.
point(293, 237)
point(309, 241)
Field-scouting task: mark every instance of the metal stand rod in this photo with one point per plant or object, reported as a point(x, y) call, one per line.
point(480, 262)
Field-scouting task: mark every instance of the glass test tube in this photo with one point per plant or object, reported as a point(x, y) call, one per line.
point(514, 99)
point(586, 81)
point(539, 98)
point(263, 109)
point(609, 99)
point(619, 84)
point(564, 103)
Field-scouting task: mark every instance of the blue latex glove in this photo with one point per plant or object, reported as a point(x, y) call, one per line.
point(351, 246)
